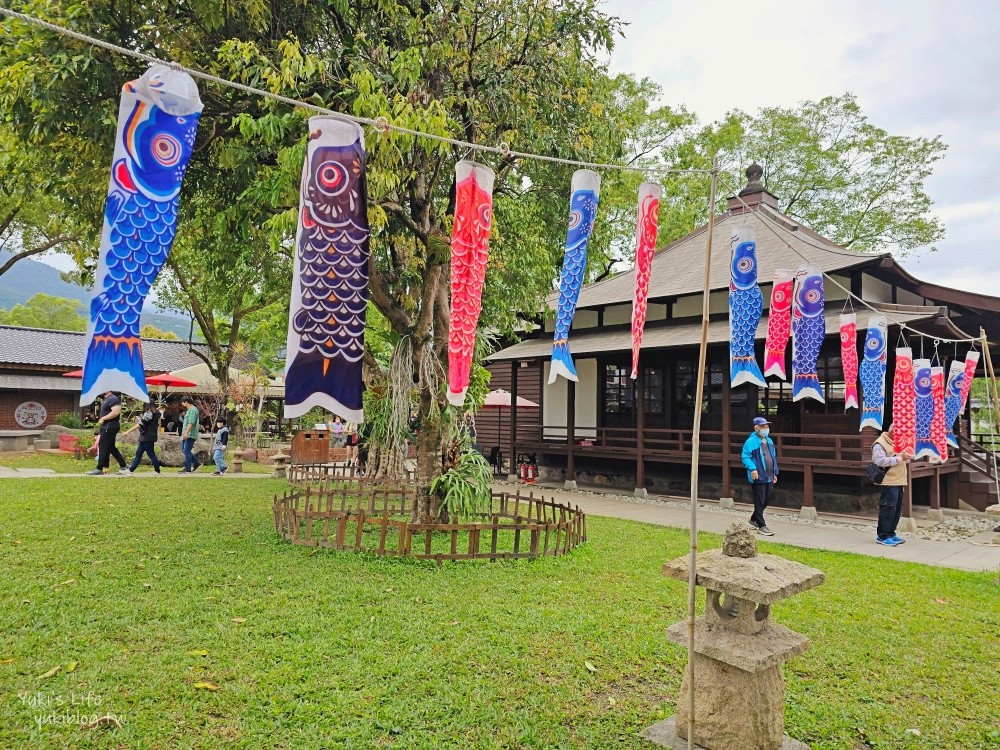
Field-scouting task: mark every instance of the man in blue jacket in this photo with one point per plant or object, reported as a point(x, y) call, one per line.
point(761, 463)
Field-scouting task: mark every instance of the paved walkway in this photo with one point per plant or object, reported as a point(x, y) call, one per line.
point(832, 533)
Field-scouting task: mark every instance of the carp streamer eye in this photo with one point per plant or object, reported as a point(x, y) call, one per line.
point(332, 178)
point(812, 296)
point(166, 149)
point(745, 265)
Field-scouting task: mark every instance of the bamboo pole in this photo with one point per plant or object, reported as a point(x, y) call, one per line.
point(991, 375)
point(696, 446)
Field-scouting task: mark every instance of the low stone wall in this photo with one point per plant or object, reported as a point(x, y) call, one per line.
point(786, 494)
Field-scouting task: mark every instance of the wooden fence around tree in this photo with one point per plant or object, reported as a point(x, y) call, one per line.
point(355, 514)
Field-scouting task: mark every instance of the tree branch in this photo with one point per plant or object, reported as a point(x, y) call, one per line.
point(400, 321)
point(37, 250)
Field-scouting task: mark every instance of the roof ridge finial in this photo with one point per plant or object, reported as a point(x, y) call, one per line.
point(754, 172)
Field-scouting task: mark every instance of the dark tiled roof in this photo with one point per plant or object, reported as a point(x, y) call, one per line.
point(36, 346)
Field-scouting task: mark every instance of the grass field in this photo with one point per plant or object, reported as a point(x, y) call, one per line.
point(182, 613)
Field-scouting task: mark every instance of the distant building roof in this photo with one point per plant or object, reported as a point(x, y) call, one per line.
point(41, 347)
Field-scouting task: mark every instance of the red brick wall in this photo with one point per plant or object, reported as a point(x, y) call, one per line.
point(53, 401)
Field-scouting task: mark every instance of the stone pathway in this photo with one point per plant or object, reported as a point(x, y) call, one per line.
point(966, 542)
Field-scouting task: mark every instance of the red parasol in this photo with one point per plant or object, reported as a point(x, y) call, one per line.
point(166, 380)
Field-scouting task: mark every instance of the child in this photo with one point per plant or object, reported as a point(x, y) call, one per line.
point(220, 441)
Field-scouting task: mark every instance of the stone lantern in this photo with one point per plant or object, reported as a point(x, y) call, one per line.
point(739, 686)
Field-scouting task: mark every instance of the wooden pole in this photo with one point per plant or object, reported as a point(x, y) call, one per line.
point(696, 445)
point(640, 426)
point(991, 374)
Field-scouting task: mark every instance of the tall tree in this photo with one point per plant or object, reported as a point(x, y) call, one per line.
point(46, 311)
point(830, 167)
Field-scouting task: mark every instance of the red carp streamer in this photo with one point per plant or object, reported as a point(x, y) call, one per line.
point(646, 228)
point(779, 324)
point(469, 251)
point(904, 407)
point(849, 359)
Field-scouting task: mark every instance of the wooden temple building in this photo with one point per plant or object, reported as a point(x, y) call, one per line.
point(610, 429)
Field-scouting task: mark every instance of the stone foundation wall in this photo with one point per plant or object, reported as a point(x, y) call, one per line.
point(829, 499)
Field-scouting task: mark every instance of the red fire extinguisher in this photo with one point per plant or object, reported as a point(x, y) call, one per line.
point(522, 470)
point(530, 474)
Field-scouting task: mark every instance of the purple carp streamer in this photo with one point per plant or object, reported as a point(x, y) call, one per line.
point(326, 323)
point(808, 332)
point(157, 121)
point(746, 306)
point(586, 190)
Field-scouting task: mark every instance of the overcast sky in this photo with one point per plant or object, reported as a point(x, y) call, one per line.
point(923, 67)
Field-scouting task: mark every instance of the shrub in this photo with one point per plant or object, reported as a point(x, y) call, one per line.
point(69, 419)
point(464, 489)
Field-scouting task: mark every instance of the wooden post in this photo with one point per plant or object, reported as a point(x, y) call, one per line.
point(515, 365)
point(696, 449)
point(808, 492)
point(990, 374)
point(570, 483)
point(936, 490)
point(727, 419)
point(640, 426)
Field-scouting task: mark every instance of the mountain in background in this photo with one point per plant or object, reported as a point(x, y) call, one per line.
point(28, 277)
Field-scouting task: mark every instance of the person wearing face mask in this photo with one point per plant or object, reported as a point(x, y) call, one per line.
point(761, 462)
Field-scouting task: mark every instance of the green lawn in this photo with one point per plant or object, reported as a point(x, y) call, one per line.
point(154, 588)
point(65, 463)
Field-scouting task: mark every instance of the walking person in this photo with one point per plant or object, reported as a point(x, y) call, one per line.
point(109, 423)
point(189, 433)
point(148, 424)
point(761, 463)
point(352, 444)
point(220, 442)
point(890, 503)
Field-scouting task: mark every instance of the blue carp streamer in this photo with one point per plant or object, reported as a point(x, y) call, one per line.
point(872, 372)
point(157, 121)
point(326, 322)
point(586, 188)
point(746, 306)
point(808, 332)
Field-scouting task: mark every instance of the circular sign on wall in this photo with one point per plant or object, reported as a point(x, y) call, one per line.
point(30, 415)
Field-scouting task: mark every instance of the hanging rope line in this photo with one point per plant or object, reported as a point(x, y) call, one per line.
point(775, 227)
point(380, 124)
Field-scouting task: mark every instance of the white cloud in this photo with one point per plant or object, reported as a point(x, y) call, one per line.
point(918, 68)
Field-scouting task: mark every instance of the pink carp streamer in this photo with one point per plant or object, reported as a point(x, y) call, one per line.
point(647, 224)
point(939, 431)
point(469, 252)
point(971, 363)
point(849, 358)
point(779, 324)
point(904, 407)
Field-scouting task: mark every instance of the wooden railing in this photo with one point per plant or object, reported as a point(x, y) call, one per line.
point(816, 449)
point(977, 456)
point(988, 440)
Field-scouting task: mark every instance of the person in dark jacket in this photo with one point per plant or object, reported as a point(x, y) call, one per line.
point(761, 463)
point(148, 424)
point(220, 443)
point(108, 425)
